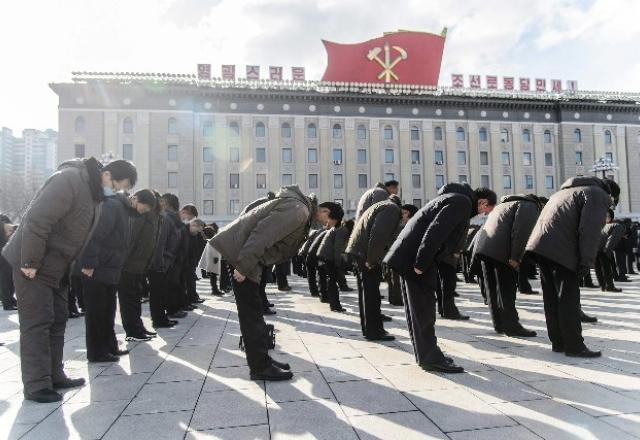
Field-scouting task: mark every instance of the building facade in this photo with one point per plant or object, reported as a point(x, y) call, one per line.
point(221, 144)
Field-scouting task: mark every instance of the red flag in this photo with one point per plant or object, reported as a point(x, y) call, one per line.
point(297, 73)
point(457, 80)
point(492, 82)
point(402, 57)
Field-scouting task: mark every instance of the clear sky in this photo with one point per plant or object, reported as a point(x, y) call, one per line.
point(594, 41)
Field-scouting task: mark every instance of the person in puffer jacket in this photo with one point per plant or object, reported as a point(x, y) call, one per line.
point(330, 253)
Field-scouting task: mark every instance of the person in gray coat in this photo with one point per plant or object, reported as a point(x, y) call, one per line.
point(268, 234)
point(500, 246)
point(374, 231)
point(564, 242)
point(378, 193)
point(51, 234)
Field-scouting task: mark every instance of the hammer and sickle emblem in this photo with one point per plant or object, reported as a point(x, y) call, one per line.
point(388, 64)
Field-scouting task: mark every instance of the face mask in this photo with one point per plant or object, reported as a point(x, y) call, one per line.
point(108, 191)
point(186, 222)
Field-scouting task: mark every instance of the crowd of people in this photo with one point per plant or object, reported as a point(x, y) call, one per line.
point(84, 245)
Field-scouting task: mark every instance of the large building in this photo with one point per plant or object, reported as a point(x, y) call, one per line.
point(221, 144)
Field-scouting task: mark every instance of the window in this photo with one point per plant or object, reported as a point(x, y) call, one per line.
point(260, 130)
point(608, 156)
point(607, 137)
point(79, 125)
point(462, 157)
point(172, 126)
point(578, 157)
point(484, 158)
point(484, 181)
point(172, 153)
point(415, 157)
point(208, 207)
point(362, 181)
point(287, 179)
point(261, 181)
point(337, 181)
point(462, 178)
point(437, 133)
point(547, 137)
point(415, 134)
point(234, 129)
point(313, 181)
point(127, 151)
point(287, 155)
point(361, 132)
point(389, 176)
point(362, 156)
point(526, 136)
point(127, 126)
point(207, 180)
point(548, 159)
point(439, 181)
point(417, 203)
point(234, 180)
point(261, 155)
point(312, 155)
point(234, 155)
point(577, 135)
point(528, 181)
point(460, 135)
point(506, 158)
point(79, 150)
point(207, 129)
point(482, 134)
point(388, 155)
point(416, 180)
point(285, 130)
point(504, 135)
point(234, 206)
point(207, 154)
point(526, 159)
point(388, 133)
point(506, 181)
point(337, 156)
point(172, 179)
point(439, 157)
point(337, 131)
point(549, 182)
point(312, 133)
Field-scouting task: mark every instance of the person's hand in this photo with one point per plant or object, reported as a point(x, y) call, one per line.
point(238, 276)
point(367, 265)
point(29, 273)
point(417, 271)
point(87, 272)
point(514, 264)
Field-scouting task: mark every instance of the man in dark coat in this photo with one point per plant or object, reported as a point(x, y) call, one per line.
point(194, 246)
point(9, 302)
point(374, 231)
point(50, 236)
point(330, 252)
point(565, 242)
point(612, 233)
point(266, 235)
point(391, 277)
point(500, 246)
point(432, 233)
point(378, 193)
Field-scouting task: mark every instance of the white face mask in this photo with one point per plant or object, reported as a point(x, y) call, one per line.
point(186, 222)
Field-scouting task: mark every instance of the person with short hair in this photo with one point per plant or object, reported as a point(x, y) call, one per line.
point(192, 234)
point(378, 193)
point(330, 252)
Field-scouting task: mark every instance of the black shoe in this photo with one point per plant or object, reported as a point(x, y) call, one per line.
point(520, 331)
point(530, 292)
point(623, 280)
point(167, 324)
point(284, 289)
point(346, 289)
point(138, 338)
point(585, 353)
point(198, 301)
point(315, 294)
point(68, 383)
point(268, 312)
point(152, 334)
point(46, 395)
point(382, 337)
point(589, 319)
point(120, 352)
point(281, 365)
point(557, 348)
point(455, 317)
point(178, 314)
point(217, 292)
point(339, 309)
point(189, 308)
point(386, 318)
point(106, 358)
point(443, 366)
point(271, 373)
point(10, 308)
point(324, 300)
point(268, 305)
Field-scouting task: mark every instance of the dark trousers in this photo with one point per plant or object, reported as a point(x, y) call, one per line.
point(322, 282)
point(630, 259)
point(158, 289)
point(621, 264)
point(447, 284)
point(604, 271)
point(500, 285)
point(6, 283)
point(225, 276)
point(282, 270)
point(129, 294)
point(312, 279)
point(213, 280)
point(523, 276)
point(189, 280)
point(395, 290)
point(176, 292)
point(263, 287)
point(561, 296)
point(370, 314)
point(76, 298)
point(43, 313)
point(252, 325)
point(420, 308)
point(333, 290)
point(342, 278)
point(99, 318)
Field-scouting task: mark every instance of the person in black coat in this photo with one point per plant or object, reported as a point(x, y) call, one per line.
point(432, 233)
point(611, 235)
point(500, 247)
point(6, 272)
point(101, 266)
point(330, 252)
point(194, 248)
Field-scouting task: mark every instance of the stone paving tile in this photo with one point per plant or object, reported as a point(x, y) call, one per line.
point(412, 425)
point(370, 397)
point(508, 433)
point(259, 432)
point(105, 388)
point(230, 378)
point(161, 426)
point(164, 397)
point(304, 386)
point(339, 370)
point(222, 409)
point(629, 423)
point(494, 386)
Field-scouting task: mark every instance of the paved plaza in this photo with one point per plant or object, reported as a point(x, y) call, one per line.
point(192, 381)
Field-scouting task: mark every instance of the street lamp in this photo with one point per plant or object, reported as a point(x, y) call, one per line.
point(603, 165)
